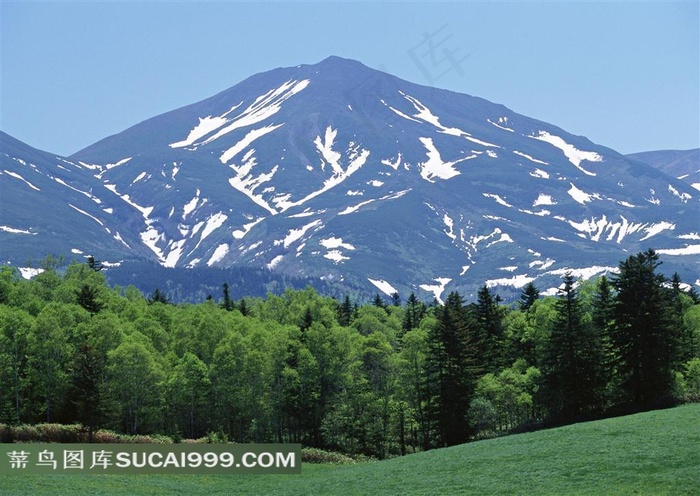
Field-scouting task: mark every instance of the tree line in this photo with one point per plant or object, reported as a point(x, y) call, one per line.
point(379, 379)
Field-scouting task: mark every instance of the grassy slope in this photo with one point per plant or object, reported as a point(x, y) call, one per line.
point(650, 453)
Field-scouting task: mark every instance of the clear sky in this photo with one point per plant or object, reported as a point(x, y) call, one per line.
point(624, 74)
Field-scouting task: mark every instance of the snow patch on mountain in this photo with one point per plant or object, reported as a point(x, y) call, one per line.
point(295, 235)
point(501, 120)
point(435, 166)
point(206, 125)
point(246, 141)
point(544, 199)
point(354, 208)
point(581, 196)
point(219, 253)
point(189, 207)
point(145, 211)
point(334, 242)
point(684, 197)
point(426, 115)
point(517, 281)
point(17, 176)
point(333, 246)
point(498, 199)
point(395, 164)
point(86, 214)
point(240, 233)
point(212, 223)
point(383, 286)
point(655, 229)
point(437, 289)
point(29, 272)
point(264, 107)
point(594, 228)
point(688, 250)
point(539, 174)
point(12, 230)
point(585, 273)
point(574, 155)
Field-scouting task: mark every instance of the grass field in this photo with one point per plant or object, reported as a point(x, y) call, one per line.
point(649, 453)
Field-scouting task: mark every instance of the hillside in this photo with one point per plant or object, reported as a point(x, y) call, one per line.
point(648, 453)
point(681, 164)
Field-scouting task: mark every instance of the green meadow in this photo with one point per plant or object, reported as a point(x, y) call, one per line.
point(649, 453)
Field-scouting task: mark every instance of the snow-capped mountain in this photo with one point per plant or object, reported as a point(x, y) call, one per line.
point(341, 172)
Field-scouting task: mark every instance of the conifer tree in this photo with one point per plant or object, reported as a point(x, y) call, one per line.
point(227, 304)
point(489, 320)
point(451, 372)
point(345, 312)
point(643, 335)
point(570, 372)
point(528, 297)
point(603, 321)
point(413, 314)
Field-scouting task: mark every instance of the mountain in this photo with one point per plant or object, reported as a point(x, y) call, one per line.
point(339, 172)
point(681, 164)
point(51, 205)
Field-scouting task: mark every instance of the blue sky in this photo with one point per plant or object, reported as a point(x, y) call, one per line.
point(624, 74)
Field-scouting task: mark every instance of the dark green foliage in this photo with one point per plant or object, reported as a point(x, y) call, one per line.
point(158, 296)
point(227, 304)
point(413, 314)
point(570, 375)
point(643, 336)
point(345, 312)
point(451, 372)
point(489, 330)
point(95, 265)
point(378, 301)
point(88, 298)
point(528, 297)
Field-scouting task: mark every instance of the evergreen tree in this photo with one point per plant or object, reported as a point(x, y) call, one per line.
point(227, 304)
point(528, 297)
point(570, 375)
point(345, 312)
point(489, 320)
point(88, 298)
point(451, 373)
point(603, 321)
point(643, 336)
point(378, 301)
point(243, 308)
point(158, 296)
point(413, 314)
point(395, 299)
point(306, 320)
point(95, 265)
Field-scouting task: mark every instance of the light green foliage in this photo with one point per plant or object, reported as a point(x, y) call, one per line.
point(136, 383)
point(506, 400)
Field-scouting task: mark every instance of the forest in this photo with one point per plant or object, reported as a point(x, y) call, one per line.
point(382, 379)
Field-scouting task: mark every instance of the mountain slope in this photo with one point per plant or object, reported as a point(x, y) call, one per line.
point(682, 164)
point(341, 172)
point(51, 205)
